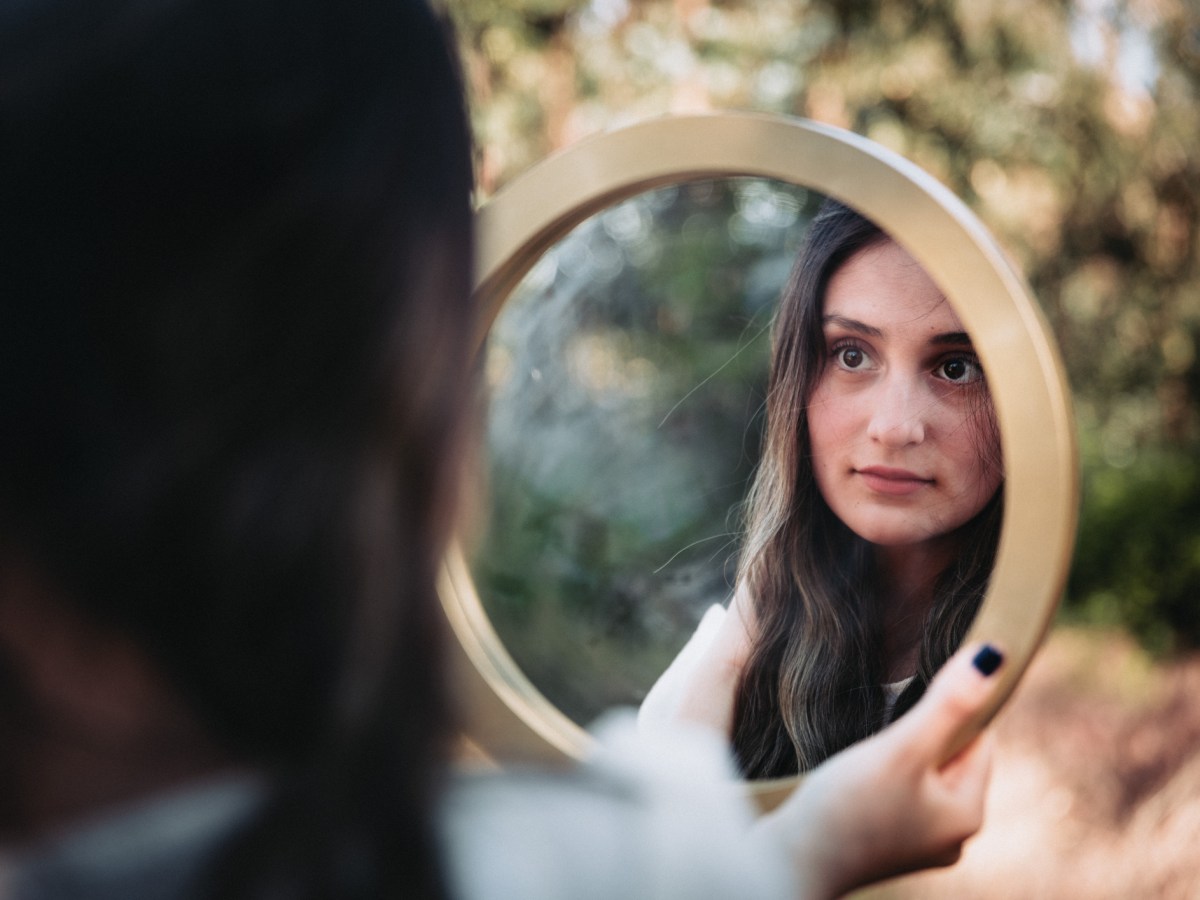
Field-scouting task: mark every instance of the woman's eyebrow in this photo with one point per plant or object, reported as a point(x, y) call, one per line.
point(853, 325)
point(948, 338)
point(952, 337)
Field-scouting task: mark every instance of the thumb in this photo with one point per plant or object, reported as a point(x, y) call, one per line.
point(945, 718)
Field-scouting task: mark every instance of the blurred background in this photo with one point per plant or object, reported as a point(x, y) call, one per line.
point(626, 376)
point(1072, 128)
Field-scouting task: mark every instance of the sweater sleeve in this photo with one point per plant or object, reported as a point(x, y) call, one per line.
point(657, 818)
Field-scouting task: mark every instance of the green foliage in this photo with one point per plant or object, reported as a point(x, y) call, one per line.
point(1138, 560)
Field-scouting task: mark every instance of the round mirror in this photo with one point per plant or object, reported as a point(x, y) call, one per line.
point(629, 285)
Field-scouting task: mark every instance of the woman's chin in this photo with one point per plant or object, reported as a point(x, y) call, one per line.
point(898, 536)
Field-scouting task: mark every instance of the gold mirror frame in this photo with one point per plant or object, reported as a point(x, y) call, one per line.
point(506, 717)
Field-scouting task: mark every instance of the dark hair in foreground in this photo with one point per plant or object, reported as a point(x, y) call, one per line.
point(233, 375)
point(813, 683)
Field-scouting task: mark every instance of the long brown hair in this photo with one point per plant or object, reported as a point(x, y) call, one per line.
point(234, 358)
point(813, 682)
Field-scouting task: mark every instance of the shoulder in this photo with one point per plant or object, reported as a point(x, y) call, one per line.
point(158, 849)
point(665, 698)
point(700, 684)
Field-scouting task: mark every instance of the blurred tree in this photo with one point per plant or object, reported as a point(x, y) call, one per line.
point(1069, 126)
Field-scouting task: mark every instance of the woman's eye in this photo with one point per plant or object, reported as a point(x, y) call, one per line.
point(960, 370)
point(851, 357)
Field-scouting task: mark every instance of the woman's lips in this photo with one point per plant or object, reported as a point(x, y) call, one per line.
point(895, 482)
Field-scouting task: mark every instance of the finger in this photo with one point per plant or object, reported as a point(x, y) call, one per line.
point(947, 858)
point(956, 696)
point(964, 783)
point(936, 860)
point(971, 766)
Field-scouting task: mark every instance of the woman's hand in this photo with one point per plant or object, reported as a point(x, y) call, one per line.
point(890, 804)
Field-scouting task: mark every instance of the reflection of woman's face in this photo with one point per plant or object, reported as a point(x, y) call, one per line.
point(902, 430)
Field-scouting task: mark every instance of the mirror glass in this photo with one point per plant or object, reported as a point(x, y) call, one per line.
point(627, 377)
point(627, 374)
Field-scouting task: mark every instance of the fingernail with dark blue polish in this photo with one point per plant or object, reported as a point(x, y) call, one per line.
point(988, 659)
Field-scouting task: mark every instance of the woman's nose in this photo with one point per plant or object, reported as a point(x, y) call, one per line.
point(898, 417)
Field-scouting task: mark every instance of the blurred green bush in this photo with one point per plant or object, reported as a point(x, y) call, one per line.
point(1137, 564)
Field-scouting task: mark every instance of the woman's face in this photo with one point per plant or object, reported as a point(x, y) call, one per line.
point(903, 434)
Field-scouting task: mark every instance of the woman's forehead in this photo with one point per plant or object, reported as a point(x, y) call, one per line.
point(884, 288)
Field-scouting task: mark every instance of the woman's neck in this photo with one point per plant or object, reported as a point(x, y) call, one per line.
point(906, 578)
